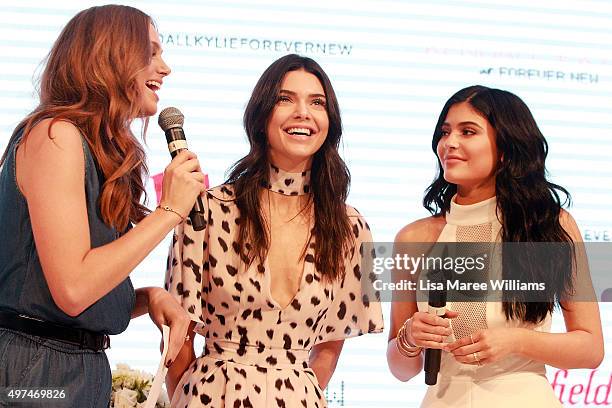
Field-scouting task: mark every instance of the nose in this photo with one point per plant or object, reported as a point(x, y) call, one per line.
point(301, 110)
point(163, 68)
point(450, 141)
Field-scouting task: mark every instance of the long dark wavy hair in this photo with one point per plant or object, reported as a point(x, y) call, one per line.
point(528, 204)
point(330, 177)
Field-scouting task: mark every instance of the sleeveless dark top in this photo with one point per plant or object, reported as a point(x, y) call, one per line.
point(23, 288)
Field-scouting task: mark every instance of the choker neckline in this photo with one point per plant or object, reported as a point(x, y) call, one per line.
point(472, 214)
point(287, 183)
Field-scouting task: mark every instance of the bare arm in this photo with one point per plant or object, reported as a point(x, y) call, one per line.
point(163, 309)
point(404, 368)
point(141, 306)
point(183, 360)
point(50, 173)
point(583, 338)
point(323, 360)
point(582, 321)
point(580, 347)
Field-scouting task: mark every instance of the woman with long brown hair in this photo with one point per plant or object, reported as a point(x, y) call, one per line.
point(70, 189)
point(274, 281)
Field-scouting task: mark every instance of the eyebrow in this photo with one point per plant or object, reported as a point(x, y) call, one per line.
point(156, 46)
point(315, 95)
point(466, 123)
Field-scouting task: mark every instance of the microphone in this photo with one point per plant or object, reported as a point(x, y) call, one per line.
point(437, 306)
point(171, 121)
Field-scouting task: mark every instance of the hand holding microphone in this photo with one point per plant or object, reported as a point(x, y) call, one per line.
point(183, 179)
point(430, 329)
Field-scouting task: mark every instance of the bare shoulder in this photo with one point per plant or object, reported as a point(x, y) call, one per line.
point(46, 134)
point(50, 153)
point(423, 230)
point(569, 225)
point(566, 218)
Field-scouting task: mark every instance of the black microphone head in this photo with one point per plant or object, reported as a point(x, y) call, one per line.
point(170, 118)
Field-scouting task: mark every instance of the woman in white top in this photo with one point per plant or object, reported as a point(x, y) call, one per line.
point(491, 186)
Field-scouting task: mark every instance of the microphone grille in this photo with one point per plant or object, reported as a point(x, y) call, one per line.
point(169, 118)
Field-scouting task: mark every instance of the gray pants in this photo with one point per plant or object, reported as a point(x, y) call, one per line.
point(34, 362)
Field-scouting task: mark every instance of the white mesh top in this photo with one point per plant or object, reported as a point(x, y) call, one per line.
point(513, 381)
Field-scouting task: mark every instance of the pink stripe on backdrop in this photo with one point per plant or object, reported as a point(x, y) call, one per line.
point(158, 178)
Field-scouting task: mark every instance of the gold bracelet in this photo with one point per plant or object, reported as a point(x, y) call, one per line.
point(405, 336)
point(166, 208)
point(404, 349)
point(403, 345)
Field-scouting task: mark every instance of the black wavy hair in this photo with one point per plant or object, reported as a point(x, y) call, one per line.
point(528, 204)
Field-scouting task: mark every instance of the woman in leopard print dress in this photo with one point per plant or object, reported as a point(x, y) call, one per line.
point(274, 281)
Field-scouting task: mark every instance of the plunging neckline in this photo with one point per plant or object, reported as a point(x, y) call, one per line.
point(268, 280)
point(290, 184)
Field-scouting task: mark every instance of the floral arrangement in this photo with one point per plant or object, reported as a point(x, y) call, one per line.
point(131, 389)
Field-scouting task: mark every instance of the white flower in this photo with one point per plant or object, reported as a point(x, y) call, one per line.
point(125, 398)
point(131, 388)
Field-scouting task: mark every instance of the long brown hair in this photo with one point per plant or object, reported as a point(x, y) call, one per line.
point(89, 79)
point(329, 180)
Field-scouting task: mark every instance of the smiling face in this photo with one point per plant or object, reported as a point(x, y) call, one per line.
point(150, 78)
point(467, 150)
point(299, 123)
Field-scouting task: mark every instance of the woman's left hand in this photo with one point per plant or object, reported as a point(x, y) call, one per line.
point(164, 309)
point(486, 346)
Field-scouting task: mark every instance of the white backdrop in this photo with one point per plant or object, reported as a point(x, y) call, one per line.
point(393, 65)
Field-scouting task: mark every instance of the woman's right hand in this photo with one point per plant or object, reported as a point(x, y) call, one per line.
point(429, 331)
point(183, 182)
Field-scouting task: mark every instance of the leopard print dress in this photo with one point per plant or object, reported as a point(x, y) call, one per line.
point(256, 353)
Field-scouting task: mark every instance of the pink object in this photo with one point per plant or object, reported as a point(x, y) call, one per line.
point(157, 181)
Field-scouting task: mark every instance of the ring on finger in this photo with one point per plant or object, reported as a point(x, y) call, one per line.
point(476, 359)
point(472, 338)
